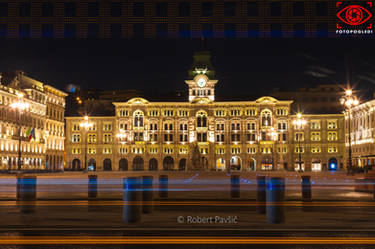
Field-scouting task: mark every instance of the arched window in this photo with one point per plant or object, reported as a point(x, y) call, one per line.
point(266, 116)
point(138, 119)
point(201, 119)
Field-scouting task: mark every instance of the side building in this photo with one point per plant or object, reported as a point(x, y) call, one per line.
point(362, 132)
point(32, 127)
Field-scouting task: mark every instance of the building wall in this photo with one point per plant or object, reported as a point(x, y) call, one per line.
point(326, 137)
point(34, 151)
point(362, 123)
point(254, 155)
point(75, 149)
point(55, 128)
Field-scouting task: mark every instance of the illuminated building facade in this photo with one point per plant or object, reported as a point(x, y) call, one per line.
point(362, 123)
point(42, 123)
point(204, 134)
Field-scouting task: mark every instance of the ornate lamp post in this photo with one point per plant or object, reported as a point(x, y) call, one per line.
point(20, 106)
point(273, 135)
point(87, 125)
point(349, 101)
point(299, 124)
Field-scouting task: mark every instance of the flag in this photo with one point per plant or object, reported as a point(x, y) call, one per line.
point(31, 134)
point(28, 131)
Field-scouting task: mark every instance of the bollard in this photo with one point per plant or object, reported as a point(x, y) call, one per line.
point(275, 200)
point(28, 194)
point(93, 186)
point(306, 188)
point(261, 194)
point(147, 194)
point(235, 186)
point(131, 211)
point(163, 186)
point(19, 186)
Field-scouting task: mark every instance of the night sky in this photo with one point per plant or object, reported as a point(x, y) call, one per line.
point(242, 66)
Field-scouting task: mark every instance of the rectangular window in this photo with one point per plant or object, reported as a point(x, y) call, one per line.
point(3, 30)
point(207, 8)
point(276, 30)
point(315, 136)
point(253, 30)
point(3, 9)
point(24, 31)
point(93, 9)
point(116, 30)
point(332, 124)
point(161, 30)
point(184, 9)
point(76, 138)
point(69, 9)
point(299, 30)
point(275, 9)
point(93, 30)
point(138, 30)
point(229, 8)
point(207, 30)
point(315, 125)
point(184, 30)
point(138, 9)
point(252, 9)
point(298, 8)
point(69, 30)
point(24, 9)
point(161, 9)
point(321, 8)
point(322, 29)
point(332, 136)
point(116, 9)
point(47, 30)
point(47, 9)
point(230, 30)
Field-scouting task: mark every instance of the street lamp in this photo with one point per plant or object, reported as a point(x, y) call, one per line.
point(299, 123)
point(273, 135)
point(349, 101)
point(20, 106)
point(87, 125)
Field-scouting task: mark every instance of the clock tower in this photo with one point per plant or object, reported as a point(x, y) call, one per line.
point(201, 87)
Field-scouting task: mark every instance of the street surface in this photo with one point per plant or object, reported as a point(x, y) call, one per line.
point(198, 208)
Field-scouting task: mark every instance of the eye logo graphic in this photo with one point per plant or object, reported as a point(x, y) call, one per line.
point(354, 14)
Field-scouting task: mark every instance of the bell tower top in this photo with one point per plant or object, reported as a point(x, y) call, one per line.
point(201, 87)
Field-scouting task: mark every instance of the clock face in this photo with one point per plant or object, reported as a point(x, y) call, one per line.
point(201, 82)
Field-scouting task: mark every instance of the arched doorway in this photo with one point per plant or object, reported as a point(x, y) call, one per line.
point(316, 165)
point(332, 164)
point(76, 164)
point(123, 164)
point(235, 163)
point(107, 164)
point(252, 164)
point(168, 163)
point(204, 163)
point(220, 164)
point(47, 163)
point(153, 164)
point(299, 165)
point(91, 165)
point(138, 164)
point(182, 165)
point(267, 163)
